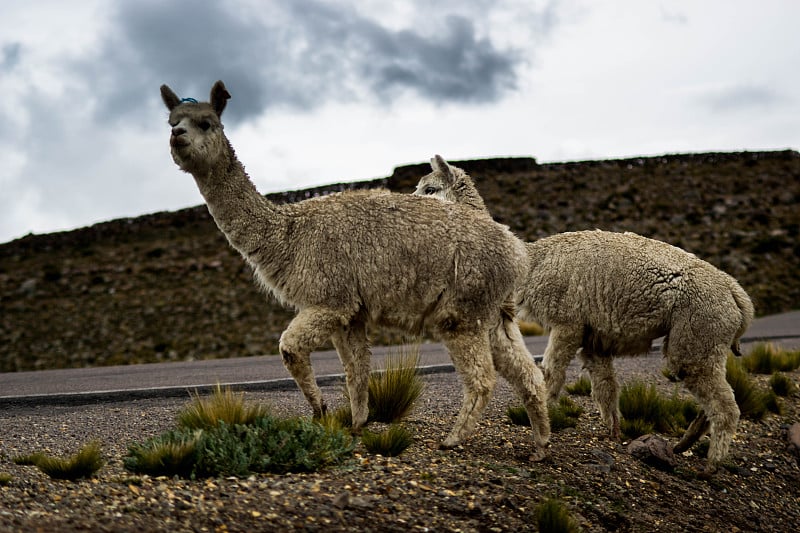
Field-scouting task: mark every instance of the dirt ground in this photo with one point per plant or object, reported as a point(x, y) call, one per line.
point(484, 485)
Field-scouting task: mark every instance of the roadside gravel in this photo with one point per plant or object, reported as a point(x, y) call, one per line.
point(484, 485)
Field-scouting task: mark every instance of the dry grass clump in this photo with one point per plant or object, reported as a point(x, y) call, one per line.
point(530, 329)
point(83, 464)
point(223, 405)
point(389, 443)
point(394, 390)
point(582, 387)
point(752, 401)
point(562, 415)
point(767, 358)
point(645, 410)
point(782, 385)
point(552, 516)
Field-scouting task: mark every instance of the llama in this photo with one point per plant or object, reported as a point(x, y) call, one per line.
point(605, 294)
point(359, 258)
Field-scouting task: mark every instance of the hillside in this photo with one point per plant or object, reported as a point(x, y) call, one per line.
point(167, 286)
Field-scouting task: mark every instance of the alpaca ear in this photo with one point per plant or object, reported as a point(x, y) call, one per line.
point(219, 97)
point(438, 164)
point(169, 97)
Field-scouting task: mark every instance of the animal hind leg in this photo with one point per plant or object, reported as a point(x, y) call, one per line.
point(472, 359)
point(605, 389)
point(561, 348)
point(308, 330)
point(353, 348)
point(513, 361)
point(716, 399)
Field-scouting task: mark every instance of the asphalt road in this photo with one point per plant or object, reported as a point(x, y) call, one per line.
point(117, 383)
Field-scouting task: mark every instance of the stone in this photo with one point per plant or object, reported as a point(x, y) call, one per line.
point(654, 451)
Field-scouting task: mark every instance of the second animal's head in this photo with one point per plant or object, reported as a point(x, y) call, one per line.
point(441, 182)
point(196, 138)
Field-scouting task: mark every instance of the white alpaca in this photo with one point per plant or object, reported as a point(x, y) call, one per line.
point(370, 257)
point(606, 294)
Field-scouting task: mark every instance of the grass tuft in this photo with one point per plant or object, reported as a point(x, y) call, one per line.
point(223, 405)
point(83, 464)
point(530, 329)
point(582, 387)
point(644, 410)
point(393, 391)
point(753, 403)
point(552, 516)
point(782, 385)
point(389, 443)
point(169, 454)
point(562, 415)
point(767, 358)
point(5, 479)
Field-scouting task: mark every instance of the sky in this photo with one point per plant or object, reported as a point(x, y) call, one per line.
point(346, 90)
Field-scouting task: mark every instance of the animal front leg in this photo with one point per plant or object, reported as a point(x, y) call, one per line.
point(308, 330)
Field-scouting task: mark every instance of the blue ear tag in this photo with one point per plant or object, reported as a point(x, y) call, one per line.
point(190, 100)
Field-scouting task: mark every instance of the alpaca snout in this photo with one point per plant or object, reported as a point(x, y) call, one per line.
point(178, 137)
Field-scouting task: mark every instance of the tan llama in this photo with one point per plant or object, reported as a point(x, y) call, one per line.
point(606, 294)
point(351, 259)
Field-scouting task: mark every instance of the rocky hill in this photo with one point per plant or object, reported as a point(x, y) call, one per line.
point(167, 286)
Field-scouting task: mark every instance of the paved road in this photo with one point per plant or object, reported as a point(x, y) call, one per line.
point(116, 383)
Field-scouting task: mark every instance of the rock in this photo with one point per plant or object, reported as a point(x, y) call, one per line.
point(793, 437)
point(654, 451)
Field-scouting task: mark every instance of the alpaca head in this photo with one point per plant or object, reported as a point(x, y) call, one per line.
point(447, 182)
point(441, 182)
point(197, 142)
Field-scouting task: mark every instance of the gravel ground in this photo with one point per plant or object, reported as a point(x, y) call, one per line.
point(484, 485)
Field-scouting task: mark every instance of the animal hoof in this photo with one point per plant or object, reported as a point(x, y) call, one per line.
point(537, 456)
point(447, 444)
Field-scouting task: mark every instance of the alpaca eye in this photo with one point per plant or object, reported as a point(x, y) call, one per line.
point(204, 125)
point(430, 190)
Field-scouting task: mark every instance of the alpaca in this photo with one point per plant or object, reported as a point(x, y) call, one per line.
point(604, 294)
point(359, 258)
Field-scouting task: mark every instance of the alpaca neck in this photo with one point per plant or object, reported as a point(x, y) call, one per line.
point(468, 194)
point(247, 218)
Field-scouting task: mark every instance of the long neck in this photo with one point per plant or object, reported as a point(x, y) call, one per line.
point(468, 194)
point(247, 218)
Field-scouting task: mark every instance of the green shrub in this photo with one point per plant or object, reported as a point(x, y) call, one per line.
point(782, 385)
point(767, 358)
point(85, 463)
point(268, 444)
point(552, 516)
point(582, 387)
point(5, 478)
point(644, 410)
point(223, 405)
point(393, 391)
point(389, 443)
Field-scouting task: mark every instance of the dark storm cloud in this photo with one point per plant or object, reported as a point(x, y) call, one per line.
point(297, 54)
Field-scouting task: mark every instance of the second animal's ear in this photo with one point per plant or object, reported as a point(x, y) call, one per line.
point(169, 97)
point(438, 164)
point(219, 97)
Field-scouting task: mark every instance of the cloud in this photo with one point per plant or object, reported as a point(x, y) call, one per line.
point(299, 54)
point(739, 98)
point(9, 56)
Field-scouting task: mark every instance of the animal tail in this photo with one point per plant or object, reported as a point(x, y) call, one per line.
point(745, 306)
